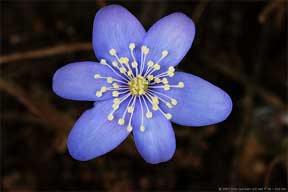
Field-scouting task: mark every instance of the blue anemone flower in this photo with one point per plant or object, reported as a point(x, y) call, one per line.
point(136, 87)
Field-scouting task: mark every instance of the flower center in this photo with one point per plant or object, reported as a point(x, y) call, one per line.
point(138, 85)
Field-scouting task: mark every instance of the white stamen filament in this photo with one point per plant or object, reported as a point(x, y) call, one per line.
point(142, 128)
point(115, 72)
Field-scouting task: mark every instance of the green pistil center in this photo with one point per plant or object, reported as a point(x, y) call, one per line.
point(138, 85)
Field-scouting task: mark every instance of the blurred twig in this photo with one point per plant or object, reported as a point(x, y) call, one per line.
point(11, 116)
point(199, 10)
point(44, 52)
point(18, 93)
point(48, 114)
point(274, 8)
point(44, 110)
point(278, 159)
point(101, 3)
point(241, 78)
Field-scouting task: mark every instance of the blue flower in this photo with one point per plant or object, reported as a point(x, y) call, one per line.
point(136, 87)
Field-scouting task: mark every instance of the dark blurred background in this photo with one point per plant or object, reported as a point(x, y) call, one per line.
point(240, 46)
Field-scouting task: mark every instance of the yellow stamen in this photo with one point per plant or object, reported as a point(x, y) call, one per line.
point(129, 128)
point(165, 80)
point(155, 107)
point(103, 89)
point(110, 117)
point(115, 64)
point(169, 105)
point(134, 64)
point(150, 63)
point(149, 115)
point(112, 52)
point(164, 53)
point(103, 62)
point(115, 85)
point(181, 84)
point(142, 128)
point(132, 46)
point(174, 101)
point(150, 77)
point(166, 87)
point(109, 80)
point(130, 109)
point(98, 93)
point(168, 116)
point(156, 66)
point(121, 121)
point(97, 76)
point(115, 93)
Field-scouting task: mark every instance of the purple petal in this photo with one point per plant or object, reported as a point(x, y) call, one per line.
point(76, 81)
point(199, 102)
point(174, 33)
point(115, 27)
point(157, 143)
point(93, 135)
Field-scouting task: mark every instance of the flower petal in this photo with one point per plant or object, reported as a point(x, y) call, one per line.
point(157, 143)
point(199, 102)
point(115, 27)
point(93, 135)
point(174, 33)
point(76, 81)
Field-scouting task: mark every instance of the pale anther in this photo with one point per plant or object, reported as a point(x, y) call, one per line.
point(115, 85)
point(150, 77)
point(145, 49)
point(174, 101)
point(166, 87)
point(110, 117)
point(150, 63)
point(130, 109)
point(115, 64)
point(129, 128)
point(103, 61)
point(134, 64)
point(155, 107)
point(169, 105)
point(155, 100)
point(142, 128)
point(112, 52)
point(168, 116)
point(130, 73)
point(181, 84)
point(98, 93)
point(115, 106)
point(122, 70)
point(109, 80)
point(103, 89)
point(132, 46)
point(164, 53)
point(124, 60)
point(165, 80)
point(170, 73)
point(116, 100)
point(115, 93)
point(149, 114)
point(96, 76)
point(156, 66)
point(121, 121)
point(172, 69)
point(157, 80)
